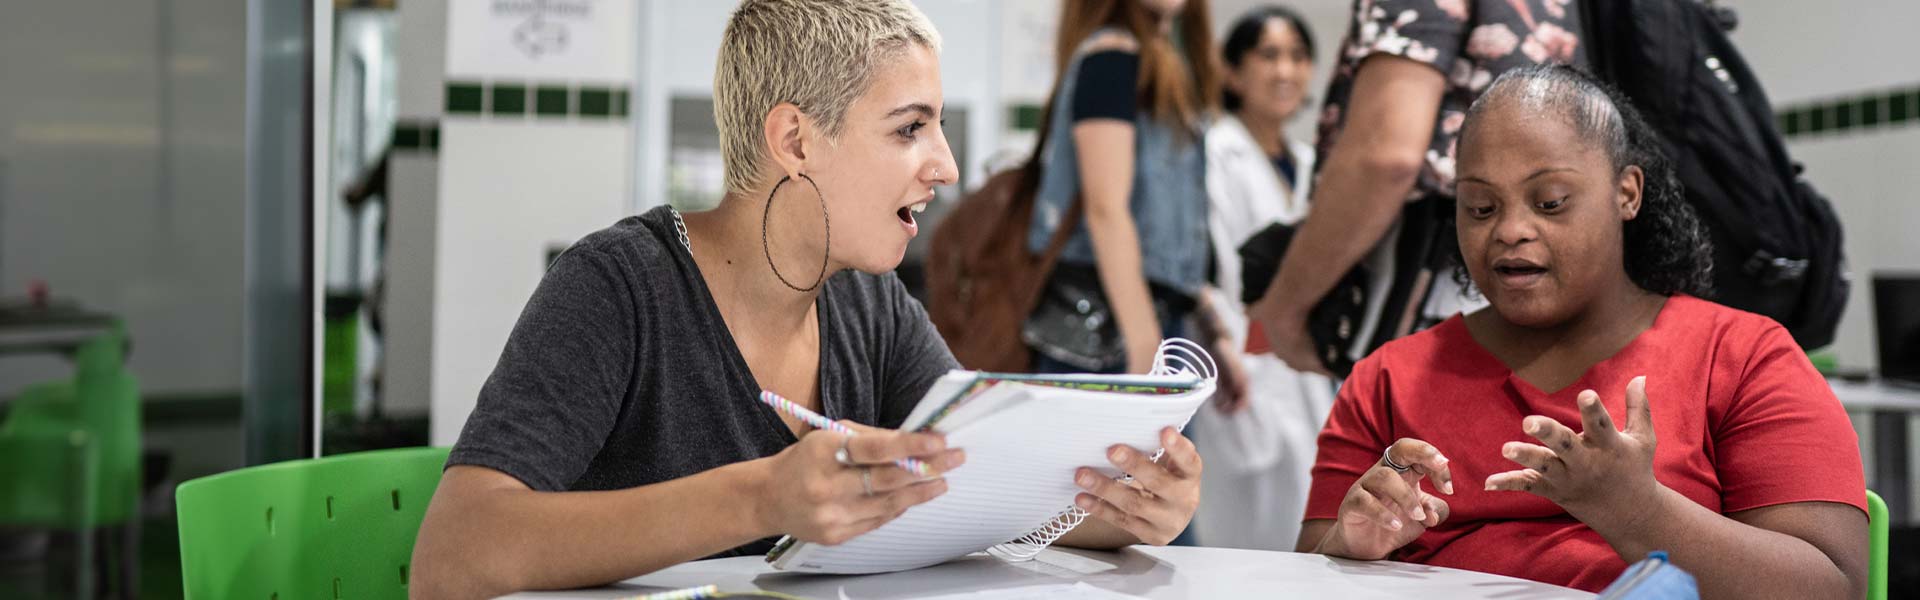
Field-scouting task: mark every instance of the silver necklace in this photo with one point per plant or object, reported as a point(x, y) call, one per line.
point(680, 227)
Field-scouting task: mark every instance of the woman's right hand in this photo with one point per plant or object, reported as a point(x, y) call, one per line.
point(1385, 509)
point(808, 494)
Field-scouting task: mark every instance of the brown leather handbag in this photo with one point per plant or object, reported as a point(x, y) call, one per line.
point(982, 281)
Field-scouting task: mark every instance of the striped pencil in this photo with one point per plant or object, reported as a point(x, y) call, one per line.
point(819, 421)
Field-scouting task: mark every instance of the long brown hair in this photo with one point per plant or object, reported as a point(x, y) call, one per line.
point(1175, 91)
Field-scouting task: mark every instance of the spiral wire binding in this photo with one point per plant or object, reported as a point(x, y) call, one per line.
point(1175, 356)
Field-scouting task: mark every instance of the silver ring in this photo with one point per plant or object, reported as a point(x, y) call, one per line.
point(841, 455)
point(866, 480)
point(1386, 458)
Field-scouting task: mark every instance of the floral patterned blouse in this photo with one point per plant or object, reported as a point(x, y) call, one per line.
point(1470, 41)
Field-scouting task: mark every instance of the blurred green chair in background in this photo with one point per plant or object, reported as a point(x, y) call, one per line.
point(70, 460)
point(335, 527)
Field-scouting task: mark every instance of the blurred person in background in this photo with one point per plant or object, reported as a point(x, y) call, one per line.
point(1258, 445)
point(1401, 85)
point(1125, 151)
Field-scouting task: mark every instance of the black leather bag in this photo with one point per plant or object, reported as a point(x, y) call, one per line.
point(1073, 324)
point(1424, 242)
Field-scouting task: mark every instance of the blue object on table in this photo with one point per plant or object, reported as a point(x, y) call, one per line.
point(1653, 578)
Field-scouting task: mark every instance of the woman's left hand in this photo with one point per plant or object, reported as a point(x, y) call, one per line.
point(1599, 467)
point(1230, 396)
point(1159, 502)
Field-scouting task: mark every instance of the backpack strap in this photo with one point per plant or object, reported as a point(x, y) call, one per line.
point(1030, 183)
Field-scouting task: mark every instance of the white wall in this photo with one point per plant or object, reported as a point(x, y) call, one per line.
point(512, 187)
point(508, 192)
point(122, 179)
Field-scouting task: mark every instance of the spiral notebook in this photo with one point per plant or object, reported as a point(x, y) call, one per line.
point(1025, 435)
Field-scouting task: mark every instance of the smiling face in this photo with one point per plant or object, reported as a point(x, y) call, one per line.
point(1272, 76)
point(881, 169)
point(1540, 213)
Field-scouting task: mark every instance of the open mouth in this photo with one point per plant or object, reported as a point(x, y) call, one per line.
point(1518, 273)
point(906, 213)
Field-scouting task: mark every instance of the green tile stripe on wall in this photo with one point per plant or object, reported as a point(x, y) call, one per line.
point(540, 100)
point(550, 101)
point(465, 98)
point(416, 135)
point(1874, 110)
point(508, 99)
point(595, 102)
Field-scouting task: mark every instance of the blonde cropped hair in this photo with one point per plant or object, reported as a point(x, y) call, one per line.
point(817, 54)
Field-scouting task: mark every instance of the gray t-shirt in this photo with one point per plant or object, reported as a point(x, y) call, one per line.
point(620, 372)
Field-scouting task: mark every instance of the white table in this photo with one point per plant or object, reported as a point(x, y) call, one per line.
point(1153, 572)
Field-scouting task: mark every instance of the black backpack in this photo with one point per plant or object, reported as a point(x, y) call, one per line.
point(1777, 244)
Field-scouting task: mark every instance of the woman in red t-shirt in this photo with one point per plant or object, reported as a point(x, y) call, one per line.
point(1572, 225)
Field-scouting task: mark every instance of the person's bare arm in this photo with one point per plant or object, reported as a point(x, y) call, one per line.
point(487, 534)
point(1106, 161)
point(1105, 148)
point(1368, 175)
point(1797, 550)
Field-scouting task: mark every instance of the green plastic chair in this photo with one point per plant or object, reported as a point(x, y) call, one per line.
point(335, 527)
point(1877, 526)
point(70, 460)
point(102, 402)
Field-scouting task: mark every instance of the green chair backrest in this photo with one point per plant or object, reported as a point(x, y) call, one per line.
point(1877, 527)
point(336, 527)
point(102, 403)
point(109, 405)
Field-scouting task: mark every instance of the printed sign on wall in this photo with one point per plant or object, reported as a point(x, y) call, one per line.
point(565, 40)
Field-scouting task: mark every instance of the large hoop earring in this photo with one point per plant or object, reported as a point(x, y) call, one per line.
point(766, 247)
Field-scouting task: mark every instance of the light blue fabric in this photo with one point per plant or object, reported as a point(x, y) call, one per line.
point(1168, 202)
point(1653, 578)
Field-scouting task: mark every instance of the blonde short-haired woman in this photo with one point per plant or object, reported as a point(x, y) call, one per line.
point(620, 432)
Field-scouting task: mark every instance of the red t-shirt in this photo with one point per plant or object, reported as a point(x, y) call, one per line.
point(1741, 418)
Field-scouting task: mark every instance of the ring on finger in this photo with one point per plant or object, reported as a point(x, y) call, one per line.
point(843, 456)
point(1386, 458)
point(866, 480)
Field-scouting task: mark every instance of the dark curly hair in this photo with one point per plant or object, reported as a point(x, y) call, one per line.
point(1667, 250)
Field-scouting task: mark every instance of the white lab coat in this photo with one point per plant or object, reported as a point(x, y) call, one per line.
point(1254, 491)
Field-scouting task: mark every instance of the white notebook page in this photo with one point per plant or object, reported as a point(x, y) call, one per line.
point(1019, 474)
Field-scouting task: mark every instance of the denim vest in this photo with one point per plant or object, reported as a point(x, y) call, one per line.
point(1168, 200)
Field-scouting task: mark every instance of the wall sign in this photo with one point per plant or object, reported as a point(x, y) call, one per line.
point(568, 40)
